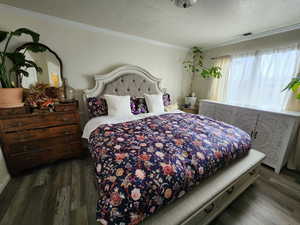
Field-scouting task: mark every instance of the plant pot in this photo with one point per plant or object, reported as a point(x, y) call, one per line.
point(11, 97)
point(190, 101)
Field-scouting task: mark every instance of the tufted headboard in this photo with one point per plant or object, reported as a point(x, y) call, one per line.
point(125, 80)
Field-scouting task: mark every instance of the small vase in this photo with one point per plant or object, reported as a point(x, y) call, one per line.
point(11, 97)
point(70, 92)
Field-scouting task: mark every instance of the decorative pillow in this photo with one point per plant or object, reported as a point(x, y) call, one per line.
point(98, 107)
point(140, 105)
point(166, 99)
point(155, 103)
point(118, 105)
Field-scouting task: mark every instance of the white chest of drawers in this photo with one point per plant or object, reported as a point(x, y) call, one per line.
point(272, 132)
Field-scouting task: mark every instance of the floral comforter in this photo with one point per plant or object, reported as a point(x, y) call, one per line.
point(145, 164)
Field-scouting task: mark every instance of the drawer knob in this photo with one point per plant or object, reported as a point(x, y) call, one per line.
point(210, 208)
point(230, 190)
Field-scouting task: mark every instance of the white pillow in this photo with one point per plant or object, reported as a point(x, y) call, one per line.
point(118, 105)
point(154, 103)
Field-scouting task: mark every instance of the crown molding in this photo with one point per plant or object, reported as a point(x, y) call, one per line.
point(256, 36)
point(88, 27)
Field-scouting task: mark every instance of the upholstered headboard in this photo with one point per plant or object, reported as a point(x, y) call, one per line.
point(126, 80)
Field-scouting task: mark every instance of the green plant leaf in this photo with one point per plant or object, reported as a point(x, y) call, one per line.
point(35, 36)
point(3, 35)
point(17, 58)
point(292, 83)
point(295, 86)
point(35, 47)
point(29, 64)
point(22, 72)
point(196, 65)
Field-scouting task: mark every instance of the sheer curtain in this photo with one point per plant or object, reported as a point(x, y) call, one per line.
point(257, 78)
point(218, 88)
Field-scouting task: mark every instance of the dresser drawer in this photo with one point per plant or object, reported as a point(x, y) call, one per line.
point(40, 145)
point(42, 133)
point(38, 121)
point(20, 162)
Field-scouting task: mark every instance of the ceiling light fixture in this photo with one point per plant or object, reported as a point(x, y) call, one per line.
point(184, 3)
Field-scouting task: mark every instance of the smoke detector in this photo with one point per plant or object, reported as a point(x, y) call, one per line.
point(184, 3)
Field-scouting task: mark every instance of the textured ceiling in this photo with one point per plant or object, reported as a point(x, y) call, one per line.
point(208, 23)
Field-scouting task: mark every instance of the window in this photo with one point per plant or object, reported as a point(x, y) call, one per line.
point(257, 78)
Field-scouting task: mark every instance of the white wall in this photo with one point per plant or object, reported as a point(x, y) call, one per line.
point(86, 51)
point(202, 87)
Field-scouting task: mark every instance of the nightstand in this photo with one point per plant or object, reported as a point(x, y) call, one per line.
point(190, 110)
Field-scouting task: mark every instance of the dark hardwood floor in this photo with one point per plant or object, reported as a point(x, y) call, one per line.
point(64, 194)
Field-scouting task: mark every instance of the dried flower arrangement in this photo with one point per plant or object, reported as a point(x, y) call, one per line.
point(42, 96)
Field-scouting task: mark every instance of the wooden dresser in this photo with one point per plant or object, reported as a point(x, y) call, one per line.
point(32, 139)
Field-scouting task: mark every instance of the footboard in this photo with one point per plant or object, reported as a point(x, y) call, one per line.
point(215, 206)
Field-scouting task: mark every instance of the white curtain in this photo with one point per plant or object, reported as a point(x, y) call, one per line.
point(218, 90)
point(257, 78)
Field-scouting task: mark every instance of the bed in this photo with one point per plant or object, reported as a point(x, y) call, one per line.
point(164, 168)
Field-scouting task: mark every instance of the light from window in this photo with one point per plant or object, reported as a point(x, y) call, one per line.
point(257, 78)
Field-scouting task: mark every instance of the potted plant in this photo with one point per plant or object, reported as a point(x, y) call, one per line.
point(13, 66)
point(195, 65)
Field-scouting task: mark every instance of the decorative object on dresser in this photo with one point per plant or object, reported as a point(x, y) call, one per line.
point(48, 60)
point(273, 132)
point(42, 97)
point(32, 139)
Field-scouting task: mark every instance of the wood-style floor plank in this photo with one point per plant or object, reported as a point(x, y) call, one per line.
point(19, 202)
point(64, 194)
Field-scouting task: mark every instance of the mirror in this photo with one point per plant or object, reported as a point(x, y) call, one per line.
point(48, 61)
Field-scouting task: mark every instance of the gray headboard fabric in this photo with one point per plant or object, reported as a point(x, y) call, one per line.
point(130, 84)
point(126, 80)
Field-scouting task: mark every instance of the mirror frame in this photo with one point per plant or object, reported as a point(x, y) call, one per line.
point(50, 50)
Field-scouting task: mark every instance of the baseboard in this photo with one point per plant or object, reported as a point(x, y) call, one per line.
point(4, 182)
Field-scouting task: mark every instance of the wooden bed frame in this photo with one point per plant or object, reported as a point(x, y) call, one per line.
point(201, 205)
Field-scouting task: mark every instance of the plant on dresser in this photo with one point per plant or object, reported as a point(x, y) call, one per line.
point(11, 93)
point(33, 139)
